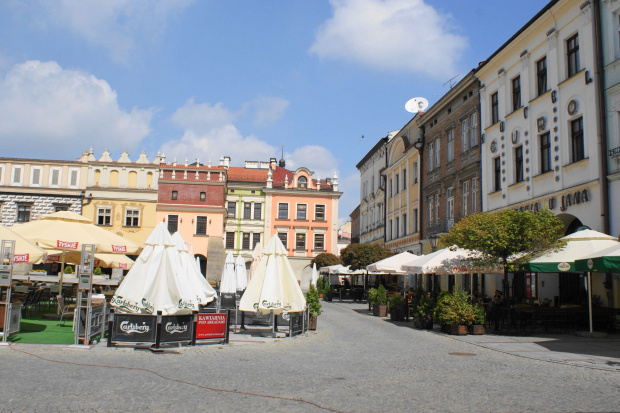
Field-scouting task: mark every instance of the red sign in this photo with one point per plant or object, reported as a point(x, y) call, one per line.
point(211, 326)
point(119, 248)
point(122, 265)
point(21, 258)
point(97, 262)
point(67, 245)
point(52, 258)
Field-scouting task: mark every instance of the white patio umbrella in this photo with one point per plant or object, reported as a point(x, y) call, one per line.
point(101, 259)
point(274, 288)
point(392, 264)
point(241, 275)
point(450, 260)
point(315, 275)
point(152, 285)
point(228, 283)
point(25, 251)
point(189, 275)
point(256, 256)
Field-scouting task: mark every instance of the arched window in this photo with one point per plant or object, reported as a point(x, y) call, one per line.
point(302, 182)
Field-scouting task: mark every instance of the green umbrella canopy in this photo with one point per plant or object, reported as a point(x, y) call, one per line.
point(579, 245)
point(601, 261)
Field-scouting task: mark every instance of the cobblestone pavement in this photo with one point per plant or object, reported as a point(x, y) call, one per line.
point(353, 363)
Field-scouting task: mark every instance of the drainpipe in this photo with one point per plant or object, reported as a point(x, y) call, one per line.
point(419, 146)
point(599, 77)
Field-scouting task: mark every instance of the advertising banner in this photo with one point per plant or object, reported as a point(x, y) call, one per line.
point(211, 326)
point(228, 301)
point(135, 328)
point(176, 328)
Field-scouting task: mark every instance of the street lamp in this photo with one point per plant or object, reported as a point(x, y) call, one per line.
point(433, 239)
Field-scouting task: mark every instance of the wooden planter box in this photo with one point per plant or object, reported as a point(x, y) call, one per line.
point(379, 310)
point(476, 329)
point(458, 330)
point(312, 322)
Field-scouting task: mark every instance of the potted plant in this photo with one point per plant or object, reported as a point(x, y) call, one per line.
point(379, 307)
point(423, 314)
point(477, 328)
point(328, 291)
point(68, 269)
point(456, 312)
point(397, 311)
point(372, 297)
point(320, 286)
point(314, 306)
point(97, 271)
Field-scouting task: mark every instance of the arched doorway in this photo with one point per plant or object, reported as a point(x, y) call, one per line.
point(203, 263)
point(571, 223)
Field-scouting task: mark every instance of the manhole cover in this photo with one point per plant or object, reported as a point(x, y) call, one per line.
point(462, 354)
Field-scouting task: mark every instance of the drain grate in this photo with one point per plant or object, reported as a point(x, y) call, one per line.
point(462, 354)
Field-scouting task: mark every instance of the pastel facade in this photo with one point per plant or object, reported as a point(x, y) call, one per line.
point(372, 194)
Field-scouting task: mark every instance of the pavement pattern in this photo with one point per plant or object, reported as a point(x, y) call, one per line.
point(354, 362)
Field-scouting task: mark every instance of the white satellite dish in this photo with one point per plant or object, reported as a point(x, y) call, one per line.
point(416, 105)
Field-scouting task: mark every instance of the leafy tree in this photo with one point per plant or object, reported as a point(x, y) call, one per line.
point(358, 256)
point(325, 259)
point(507, 237)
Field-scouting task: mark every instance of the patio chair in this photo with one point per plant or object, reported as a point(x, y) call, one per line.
point(64, 309)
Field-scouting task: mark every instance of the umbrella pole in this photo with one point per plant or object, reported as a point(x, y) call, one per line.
point(590, 299)
point(62, 273)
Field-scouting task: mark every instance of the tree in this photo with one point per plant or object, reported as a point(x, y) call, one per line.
point(507, 237)
point(358, 256)
point(325, 259)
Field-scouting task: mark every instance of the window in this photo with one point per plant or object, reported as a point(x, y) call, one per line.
point(541, 76)
point(74, 176)
point(431, 209)
point(59, 207)
point(23, 213)
point(450, 205)
point(201, 225)
point(257, 210)
point(247, 210)
point(576, 137)
point(545, 153)
point(404, 222)
point(397, 183)
point(282, 210)
point(494, 108)
point(302, 210)
point(390, 230)
point(55, 175)
point(319, 242)
point(284, 238)
point(231, 207)
point(572, 55)
point(245, 241)
point(450, 146)
point(474, 195)
point(319, 212)
point(132, 217)
point(255, 239)
point(431, 156)
point(497, 174)
point(35, 176)
point(16, 180)
point(300, 241)
point(175, 195)
point(465, 190)
point(436, 202)
point(414, 173)
point(203, 196)
point(230, 240)
point(465, 134)
point(104, 216)
point(404, 179)
point(519, 163)
point(173, 223)
point(414, 220)
point(516, 93)
point(473, 130)
point(302, 182)
point(390, 192)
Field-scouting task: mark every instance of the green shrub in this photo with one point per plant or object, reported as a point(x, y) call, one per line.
point(68, 270)
point(372, 296)
point(455, 309)
point(97, 271)
point(312, 300)
point(396, 301)
point(381, 295)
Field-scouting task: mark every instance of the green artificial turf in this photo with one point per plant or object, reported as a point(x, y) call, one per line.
point(36, 329)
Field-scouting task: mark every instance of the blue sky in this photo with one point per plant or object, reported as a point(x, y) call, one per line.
point(204, 79)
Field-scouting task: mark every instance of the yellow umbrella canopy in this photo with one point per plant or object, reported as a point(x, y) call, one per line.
point(68, 231)
point(25, 251)
point(101, 259)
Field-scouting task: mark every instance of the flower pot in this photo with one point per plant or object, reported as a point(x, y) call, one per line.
point(458, 330)
point(320, 295)
point(476, 329)
point(312, 322)
point(379, 310)
point(397, 314)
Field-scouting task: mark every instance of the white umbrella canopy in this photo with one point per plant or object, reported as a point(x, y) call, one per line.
point(274, 288)
point(450, 260)
point(25, 251)
point(189, 276)
point(256, 256)
point(335, 269)
point(315, 275)
point(241, 275)
point(101, 259)
point(228, 283)
point(579, 245)
point(151, 285)
point(392, 264)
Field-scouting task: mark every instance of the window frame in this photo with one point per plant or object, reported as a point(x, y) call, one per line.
point(545, 152)
point(519, 175)
point(127, 211)
point(541, 76)
point(174, 196)
point(283, 238)
point(300, 236)
point(199, 224)
point(450, 145)
point(39, 169)
point(247, 210)
point(572, 55)
point(497, 174)
point(465, 196)
point(169, 222)
point(59, 177)
point(576, 139)
point(19, 182)
point(283, 210)
point(245, 241)
point(24, 212)
point(301, 212)
point(319, 241)
point(75, 171)
point(231, 205)
point(102, 215)
point(494, 108)
point(203, 197)
point(229, 240)
point(258, 207)
point(316, 212)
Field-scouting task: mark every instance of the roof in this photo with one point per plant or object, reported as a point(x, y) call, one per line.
point(242, 174)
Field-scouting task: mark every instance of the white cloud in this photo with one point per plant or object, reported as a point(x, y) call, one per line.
point(403, 35)
point(210, 133)
point(46, 110)
point(268, 109)
point(314, 157)
point(114, 24)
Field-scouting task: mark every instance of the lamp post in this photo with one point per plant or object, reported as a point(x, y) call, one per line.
point(433, 239)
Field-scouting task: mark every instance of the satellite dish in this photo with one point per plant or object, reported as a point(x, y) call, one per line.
point(416, 105)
